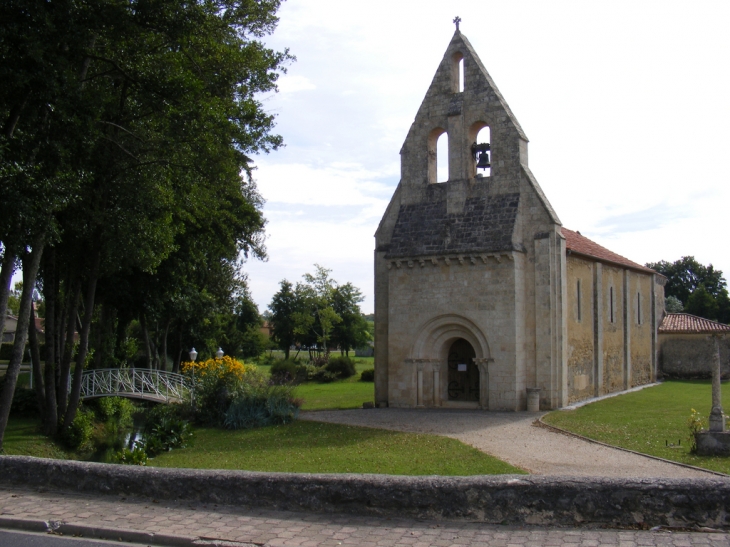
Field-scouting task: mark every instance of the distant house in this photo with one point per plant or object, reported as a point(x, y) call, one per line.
point(686, 346)
point(11, 327)
point(266, 329)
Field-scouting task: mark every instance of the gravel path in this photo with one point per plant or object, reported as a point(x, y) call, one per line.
point(512, 437)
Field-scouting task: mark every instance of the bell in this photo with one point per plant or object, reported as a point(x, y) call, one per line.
point(483, 161)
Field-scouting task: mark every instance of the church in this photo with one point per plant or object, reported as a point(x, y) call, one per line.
point(483, 299)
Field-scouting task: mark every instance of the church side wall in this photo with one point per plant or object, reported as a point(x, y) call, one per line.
point(613, 330)
point(639, 299)
point(581, 374)
point(611, 337)
point(481, 293)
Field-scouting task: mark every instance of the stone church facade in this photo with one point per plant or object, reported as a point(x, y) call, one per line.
point(481, 296)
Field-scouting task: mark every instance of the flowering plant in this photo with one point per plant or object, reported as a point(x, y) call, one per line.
point(695, 423)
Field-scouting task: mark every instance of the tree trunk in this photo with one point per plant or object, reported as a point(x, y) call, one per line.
point(35, 357)
point(50, 290)
point(6, 277)
point(73, 402)
point(146, 340)
point(30, 269)
point(164, 345)
point(72, 307)
point(178, 359)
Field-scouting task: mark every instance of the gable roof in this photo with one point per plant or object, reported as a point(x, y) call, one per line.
point(579, 244)
point(687, 323)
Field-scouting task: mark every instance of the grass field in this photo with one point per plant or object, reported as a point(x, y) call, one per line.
point(311, 447)
point(648, 421)
point(23, 438)
point(349, 393)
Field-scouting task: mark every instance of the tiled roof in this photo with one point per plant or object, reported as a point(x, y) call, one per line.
point(686, 323)
point(427, 228)
point(577, 243)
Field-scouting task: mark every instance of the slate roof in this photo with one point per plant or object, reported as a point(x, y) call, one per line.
point(485, 225)
point(685, 323)
point(579, 244)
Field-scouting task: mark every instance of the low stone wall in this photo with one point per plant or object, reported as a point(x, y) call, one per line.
point(691, 356)
point(507, 499)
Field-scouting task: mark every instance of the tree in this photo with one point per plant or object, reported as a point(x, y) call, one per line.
point(673, 305)
point(125, 133)
point(702, 290)
point(353, 331)
point(318, 312)
point(284, 305)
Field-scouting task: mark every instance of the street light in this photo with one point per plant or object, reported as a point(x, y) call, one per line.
point(219, 354)
point(193, 356)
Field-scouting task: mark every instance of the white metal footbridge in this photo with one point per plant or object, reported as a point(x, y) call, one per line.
point(135, 383)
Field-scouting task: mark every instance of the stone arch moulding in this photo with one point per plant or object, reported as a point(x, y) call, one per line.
point(434, 335)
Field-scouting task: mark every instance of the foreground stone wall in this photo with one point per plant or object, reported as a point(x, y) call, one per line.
point(508, 499)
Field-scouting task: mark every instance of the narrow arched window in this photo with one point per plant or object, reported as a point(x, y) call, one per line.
point(578, 298)
point(457, 73)
point(638, 308)
point(442, 158)
point(610, 304)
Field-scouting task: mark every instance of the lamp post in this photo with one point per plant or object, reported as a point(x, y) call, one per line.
point(193, 356)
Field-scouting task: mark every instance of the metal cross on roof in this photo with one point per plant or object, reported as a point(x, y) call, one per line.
point(457, 20)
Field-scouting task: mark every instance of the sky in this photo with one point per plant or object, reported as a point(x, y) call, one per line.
point(625, 104)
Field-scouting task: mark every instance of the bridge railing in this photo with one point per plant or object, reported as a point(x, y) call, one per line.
point(139, 383)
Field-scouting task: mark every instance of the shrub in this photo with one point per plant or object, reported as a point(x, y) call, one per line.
point(288, 370)
point(341, 366)
point(135, 456)
point(24, 402)
point(264, 405)
point(79, 435)
point(217, 382)
point(116, 410)
point(367, 375)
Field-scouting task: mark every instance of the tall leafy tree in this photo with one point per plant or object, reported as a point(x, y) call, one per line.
point(700, 289)
point(126, 126)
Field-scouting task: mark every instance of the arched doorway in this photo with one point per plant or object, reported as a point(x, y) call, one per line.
point(463, 381)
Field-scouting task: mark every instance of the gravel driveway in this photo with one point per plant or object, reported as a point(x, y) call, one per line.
point(512, 437)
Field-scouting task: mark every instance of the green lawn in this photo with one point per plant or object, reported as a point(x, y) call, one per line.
point(311, 447)
point(349, 393)
point(647, 420)
point(23, 438)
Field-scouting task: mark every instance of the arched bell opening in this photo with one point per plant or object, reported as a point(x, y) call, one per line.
point(480, 136)
point(463, 373)
point(438, 155)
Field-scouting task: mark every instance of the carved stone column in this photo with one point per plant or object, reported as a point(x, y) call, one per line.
point(419, 383)
point(436, 384)
point(423, 367)
point(483, 364)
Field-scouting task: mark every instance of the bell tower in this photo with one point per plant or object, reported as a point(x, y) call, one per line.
point(461, 246)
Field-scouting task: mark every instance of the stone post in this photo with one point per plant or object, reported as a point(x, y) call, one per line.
point(533, 399)
point(483, 364)
point(717, 416)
